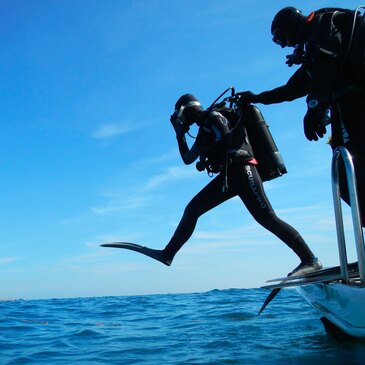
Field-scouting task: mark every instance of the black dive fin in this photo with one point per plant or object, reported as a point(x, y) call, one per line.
point(269, 298)
point(154, 254)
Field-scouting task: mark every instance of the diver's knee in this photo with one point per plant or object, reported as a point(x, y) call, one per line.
point(265, 219)
point(191, 210)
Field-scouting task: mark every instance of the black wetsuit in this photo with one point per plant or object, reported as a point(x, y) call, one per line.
point(334, 74)
point(215, 140)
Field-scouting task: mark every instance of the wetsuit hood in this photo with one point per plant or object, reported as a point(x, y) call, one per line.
point(189, 109)
point(285, 26)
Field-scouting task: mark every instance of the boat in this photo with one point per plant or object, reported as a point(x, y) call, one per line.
point(338, 293)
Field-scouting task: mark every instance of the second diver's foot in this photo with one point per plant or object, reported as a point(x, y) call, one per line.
point(306, 267)
point(158, 255)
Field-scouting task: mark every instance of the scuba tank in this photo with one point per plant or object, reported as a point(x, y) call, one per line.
point(247, 119)
point(270, 163)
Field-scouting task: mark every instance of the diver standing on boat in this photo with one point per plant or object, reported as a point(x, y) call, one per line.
point(329, 46)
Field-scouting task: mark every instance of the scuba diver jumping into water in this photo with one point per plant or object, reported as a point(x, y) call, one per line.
point(226, 152)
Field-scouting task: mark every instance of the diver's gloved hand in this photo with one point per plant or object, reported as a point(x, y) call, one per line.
point(315, 120)
point(297, 57)
point(179, 127)
point(247, 97)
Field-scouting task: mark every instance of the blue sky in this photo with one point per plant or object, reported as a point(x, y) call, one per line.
point(87, 153)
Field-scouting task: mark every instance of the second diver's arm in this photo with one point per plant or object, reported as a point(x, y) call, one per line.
point(296, 87)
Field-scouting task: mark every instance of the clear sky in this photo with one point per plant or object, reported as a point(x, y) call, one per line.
point(88, 155)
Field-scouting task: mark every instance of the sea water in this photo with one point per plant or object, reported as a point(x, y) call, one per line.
point(215, 327)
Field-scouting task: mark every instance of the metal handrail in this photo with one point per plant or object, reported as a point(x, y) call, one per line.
point(343, 153)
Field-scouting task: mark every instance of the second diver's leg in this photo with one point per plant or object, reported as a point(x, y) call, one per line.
point(360, 182)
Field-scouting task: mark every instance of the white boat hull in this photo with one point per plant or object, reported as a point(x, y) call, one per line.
point(343, 305)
